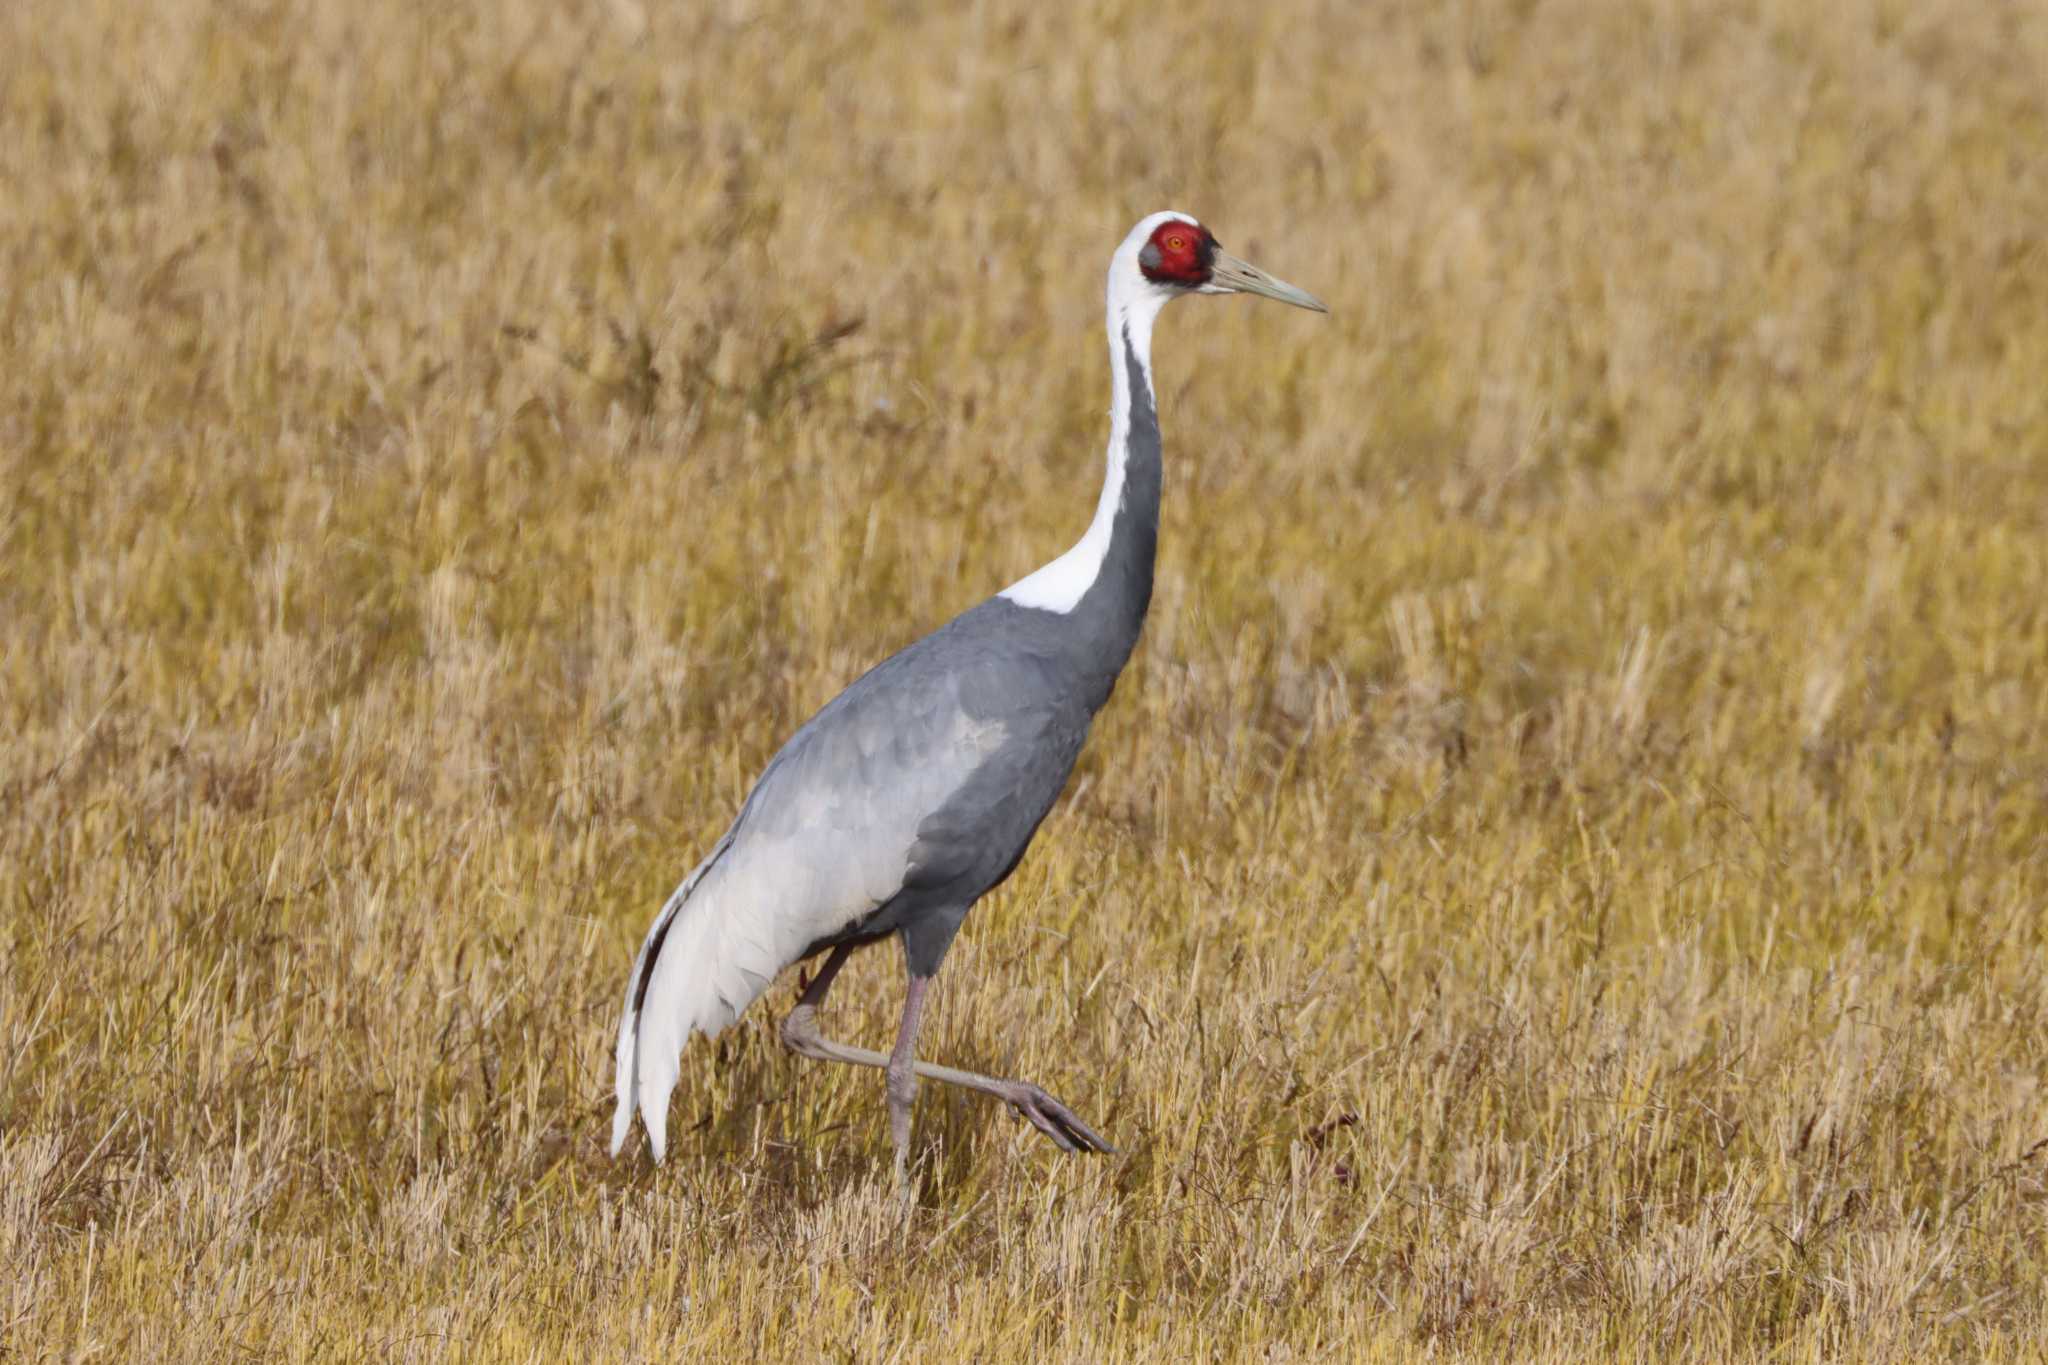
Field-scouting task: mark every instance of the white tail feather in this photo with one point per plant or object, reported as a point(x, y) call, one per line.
point(705, 969)
point(629, 1089)
point(629, 1031)
point(629, 1025)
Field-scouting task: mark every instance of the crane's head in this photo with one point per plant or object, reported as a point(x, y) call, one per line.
point(1171, 254)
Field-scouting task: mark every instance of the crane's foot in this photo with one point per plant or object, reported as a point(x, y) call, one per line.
point(1050, 1117)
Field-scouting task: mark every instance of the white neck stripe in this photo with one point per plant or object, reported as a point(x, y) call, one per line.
point(1134, 304)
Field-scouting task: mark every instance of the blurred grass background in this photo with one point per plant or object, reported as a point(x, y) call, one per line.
point(1563, 876)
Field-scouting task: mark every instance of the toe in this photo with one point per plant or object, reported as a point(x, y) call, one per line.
point(1058, 1122)
point(1047, 1125)
point(1085, 1138)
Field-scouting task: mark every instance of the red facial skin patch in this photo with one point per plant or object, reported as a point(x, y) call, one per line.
point(1179, 253)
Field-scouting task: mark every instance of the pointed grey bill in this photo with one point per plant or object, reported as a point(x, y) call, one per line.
point(1229, 275)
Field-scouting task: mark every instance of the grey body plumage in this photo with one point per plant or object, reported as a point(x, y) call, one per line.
point(1034, 677)
point(918, 789)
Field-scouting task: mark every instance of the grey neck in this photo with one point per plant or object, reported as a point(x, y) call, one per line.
point(1105, 623)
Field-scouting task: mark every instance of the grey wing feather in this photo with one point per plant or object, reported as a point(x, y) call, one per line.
point(833, 830)
point(835, 821)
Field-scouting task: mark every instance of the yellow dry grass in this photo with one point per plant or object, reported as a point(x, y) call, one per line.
point(1563, 877)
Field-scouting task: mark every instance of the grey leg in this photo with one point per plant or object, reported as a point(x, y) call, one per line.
point(800, 1035)
point(814, 994)
point(903, 1073)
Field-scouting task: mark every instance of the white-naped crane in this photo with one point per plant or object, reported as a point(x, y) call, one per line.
point(917, 789)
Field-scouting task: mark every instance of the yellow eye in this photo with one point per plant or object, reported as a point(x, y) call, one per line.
point(1176, 244)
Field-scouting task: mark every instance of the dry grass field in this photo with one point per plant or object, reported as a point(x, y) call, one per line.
point(1563, 877)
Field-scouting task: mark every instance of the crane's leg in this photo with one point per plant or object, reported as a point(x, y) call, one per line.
point(903, 1072)
point(800, 1035)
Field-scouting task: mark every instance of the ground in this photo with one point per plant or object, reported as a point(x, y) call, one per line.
point(1563, 876)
